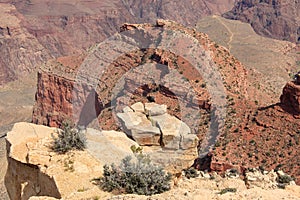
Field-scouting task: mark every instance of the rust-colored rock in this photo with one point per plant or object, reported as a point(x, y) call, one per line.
point(290, 98)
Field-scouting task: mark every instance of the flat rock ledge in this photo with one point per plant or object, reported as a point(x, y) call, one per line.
point(35, 170)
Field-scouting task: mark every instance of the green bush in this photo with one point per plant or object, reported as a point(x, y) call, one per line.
point(69, 138)
point(138, 177)
point(191, 173)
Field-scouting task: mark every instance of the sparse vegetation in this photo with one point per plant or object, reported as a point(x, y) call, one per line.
point(284, 179)
point(223, 191)
point(69, 165)
point(69, 138)
point(236, 130)
point(191, 173)
point(81, 190)
point(138, 176)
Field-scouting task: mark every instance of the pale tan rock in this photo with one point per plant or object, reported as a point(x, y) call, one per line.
point(38, 171)
point(127, 109)
point(163, 22)
point(23, 135)
point(256, 178)
point(131, 119)
point(146, 135)
point(41, 198)
point(109, 146)
point(189, 141)
point(136, 125)
point(138, 107)
point(153, 109)
point(173, 130)
point(165, 138)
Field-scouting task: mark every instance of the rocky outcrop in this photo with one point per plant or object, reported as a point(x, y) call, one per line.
point(62, 105)
point(35, 170)
point(169, 141)
point(276, 19)
point(290, 98)
point(248, 134)
point(267, 179)
point(23, 179)
point(175, 78)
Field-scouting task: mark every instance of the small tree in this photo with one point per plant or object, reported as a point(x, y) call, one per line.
point(69, 138)
point(139, 177)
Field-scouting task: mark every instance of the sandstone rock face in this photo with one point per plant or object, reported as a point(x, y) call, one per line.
point(189, 88)
point(35, 170)
point(138, 107)
point(276, 19)
point(290, 98)
point(63, 105)
point(168, 140)
point(109, 146)
point(23, 179)
point(174, 132)
point(153, 109)
point(137, 126)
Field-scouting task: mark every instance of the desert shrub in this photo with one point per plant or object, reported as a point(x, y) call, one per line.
point(138, 176)
point(223, 191)
point(69, 138)
point(284, 179)
point(191, 173)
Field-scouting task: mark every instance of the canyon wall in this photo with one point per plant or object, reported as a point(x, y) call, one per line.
point(32, 32)
point(279, 19)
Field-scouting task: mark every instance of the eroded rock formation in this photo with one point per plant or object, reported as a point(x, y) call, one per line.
point(290, 98)
point(270, 138)
point(277, 19)
point(245, 136)
point(168, 141)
